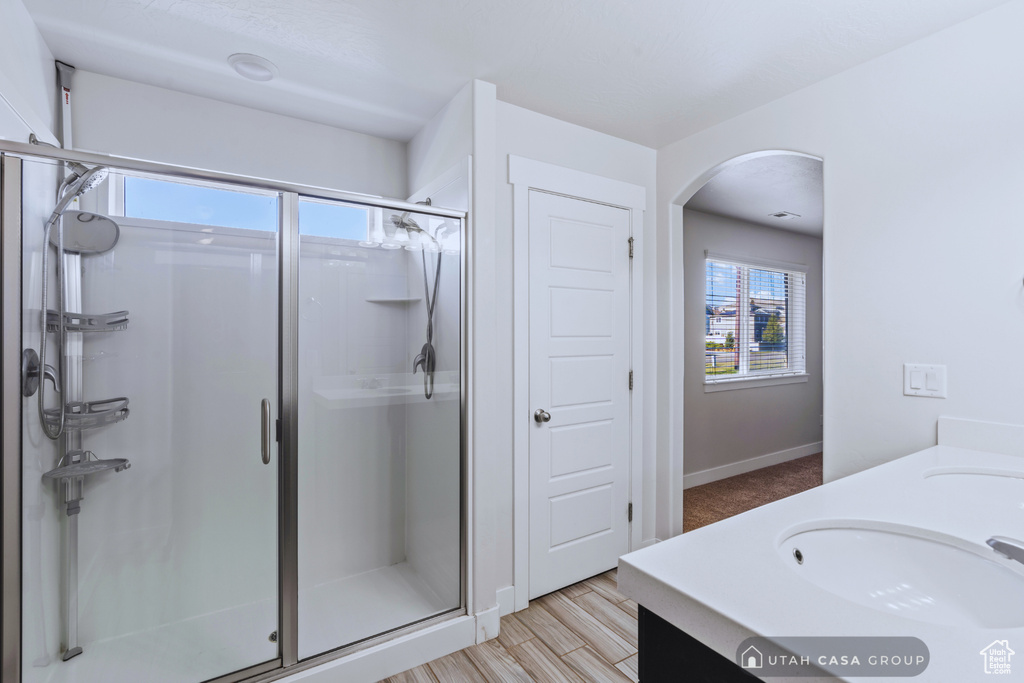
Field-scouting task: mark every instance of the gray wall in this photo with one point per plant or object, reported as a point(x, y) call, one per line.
point(726, 427)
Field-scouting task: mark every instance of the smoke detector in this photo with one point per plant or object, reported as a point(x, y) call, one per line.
point(784, 215)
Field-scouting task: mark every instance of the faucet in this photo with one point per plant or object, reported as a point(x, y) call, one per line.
point(1009, 548)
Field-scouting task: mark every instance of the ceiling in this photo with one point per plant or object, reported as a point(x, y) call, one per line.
point(752, 190)
point(652, 72)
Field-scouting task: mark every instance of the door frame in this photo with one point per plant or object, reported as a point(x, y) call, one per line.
point(525, 175)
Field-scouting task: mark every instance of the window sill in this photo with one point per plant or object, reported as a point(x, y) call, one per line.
point(751, 382)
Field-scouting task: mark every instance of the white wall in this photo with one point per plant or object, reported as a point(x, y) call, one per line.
point(922, 179)
point(119, 117)
point(727, 427)
point(446, 140)
point(463, 132)
point(28, 77)
point(528, 134)
point(475, 123)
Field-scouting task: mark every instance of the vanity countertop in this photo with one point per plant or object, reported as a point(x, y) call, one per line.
point(730, 580)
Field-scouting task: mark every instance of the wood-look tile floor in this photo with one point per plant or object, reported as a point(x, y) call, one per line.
point(584, 633)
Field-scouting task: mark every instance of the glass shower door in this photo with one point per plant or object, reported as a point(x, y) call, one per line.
point(379, 460)
point(172, 574)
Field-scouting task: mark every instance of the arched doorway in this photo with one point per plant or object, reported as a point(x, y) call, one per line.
point(746, 327)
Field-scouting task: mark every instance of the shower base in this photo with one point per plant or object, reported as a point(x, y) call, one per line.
point(348, 610)
point(332, 614)
point(191, 650)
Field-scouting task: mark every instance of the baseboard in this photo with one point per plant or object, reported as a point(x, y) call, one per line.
point(506, 600)
point(488, 623)
point(394, 657)
point(744, 466)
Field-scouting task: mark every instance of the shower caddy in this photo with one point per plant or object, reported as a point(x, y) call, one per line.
point(74, 416)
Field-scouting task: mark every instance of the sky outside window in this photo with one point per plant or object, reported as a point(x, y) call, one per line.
point(196, 204)
point(333, 220)
point(184, 203)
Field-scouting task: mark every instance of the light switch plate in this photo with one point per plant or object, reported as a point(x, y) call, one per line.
point(924, 380)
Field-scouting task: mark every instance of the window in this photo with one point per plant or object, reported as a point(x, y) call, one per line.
point(759, 308)
point(333, 219)
point(201, 204)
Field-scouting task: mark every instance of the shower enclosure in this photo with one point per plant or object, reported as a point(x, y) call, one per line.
point(296, 457)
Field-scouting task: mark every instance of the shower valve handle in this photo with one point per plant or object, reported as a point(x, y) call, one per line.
point(541, 415)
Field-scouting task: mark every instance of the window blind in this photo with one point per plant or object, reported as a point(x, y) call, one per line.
point(754, 320)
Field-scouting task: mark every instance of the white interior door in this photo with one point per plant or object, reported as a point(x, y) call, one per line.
point(579, 376)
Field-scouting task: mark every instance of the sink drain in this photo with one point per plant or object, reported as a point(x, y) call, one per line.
point(798, 556)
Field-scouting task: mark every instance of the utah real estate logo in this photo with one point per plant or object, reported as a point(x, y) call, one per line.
point(997, 657)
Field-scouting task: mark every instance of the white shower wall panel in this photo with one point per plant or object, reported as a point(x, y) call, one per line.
point(171, 540)
point(351, 454)
point(40, 516)
point(433, 487)
point(195, 361)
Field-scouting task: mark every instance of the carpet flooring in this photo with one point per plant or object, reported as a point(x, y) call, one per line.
point(724, 498)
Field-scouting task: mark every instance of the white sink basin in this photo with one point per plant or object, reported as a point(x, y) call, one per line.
point(986, 487)
point(908, 572)
point(1015, 477)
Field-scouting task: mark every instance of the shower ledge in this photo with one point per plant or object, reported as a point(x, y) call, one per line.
point(368, 390)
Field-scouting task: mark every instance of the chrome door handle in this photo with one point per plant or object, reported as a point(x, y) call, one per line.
point(541, 415)
point(265, 430)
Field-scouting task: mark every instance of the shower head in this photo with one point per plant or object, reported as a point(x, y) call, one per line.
point(87, 233)
point(88, 179)
point(80, 181)
point(76, 172)
point(83, 232)
point(409, 223)
point(405, 221)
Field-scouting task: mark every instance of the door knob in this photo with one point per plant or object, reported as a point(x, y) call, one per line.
point(541, 415)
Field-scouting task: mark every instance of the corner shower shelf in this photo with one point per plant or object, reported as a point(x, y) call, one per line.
point(88, 322)
point(81, 415)
point(87, 467)
point(393, 300)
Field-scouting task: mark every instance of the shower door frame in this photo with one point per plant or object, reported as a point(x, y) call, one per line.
point(12, 155)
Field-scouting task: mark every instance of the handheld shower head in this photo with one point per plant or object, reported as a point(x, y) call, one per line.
point(405, 221)
point(89, 179)
point(80, 181)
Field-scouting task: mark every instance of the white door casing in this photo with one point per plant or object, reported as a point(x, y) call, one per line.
point(579, 376)
point(526, 175)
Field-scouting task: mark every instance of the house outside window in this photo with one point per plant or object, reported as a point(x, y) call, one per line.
point(759, 307)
